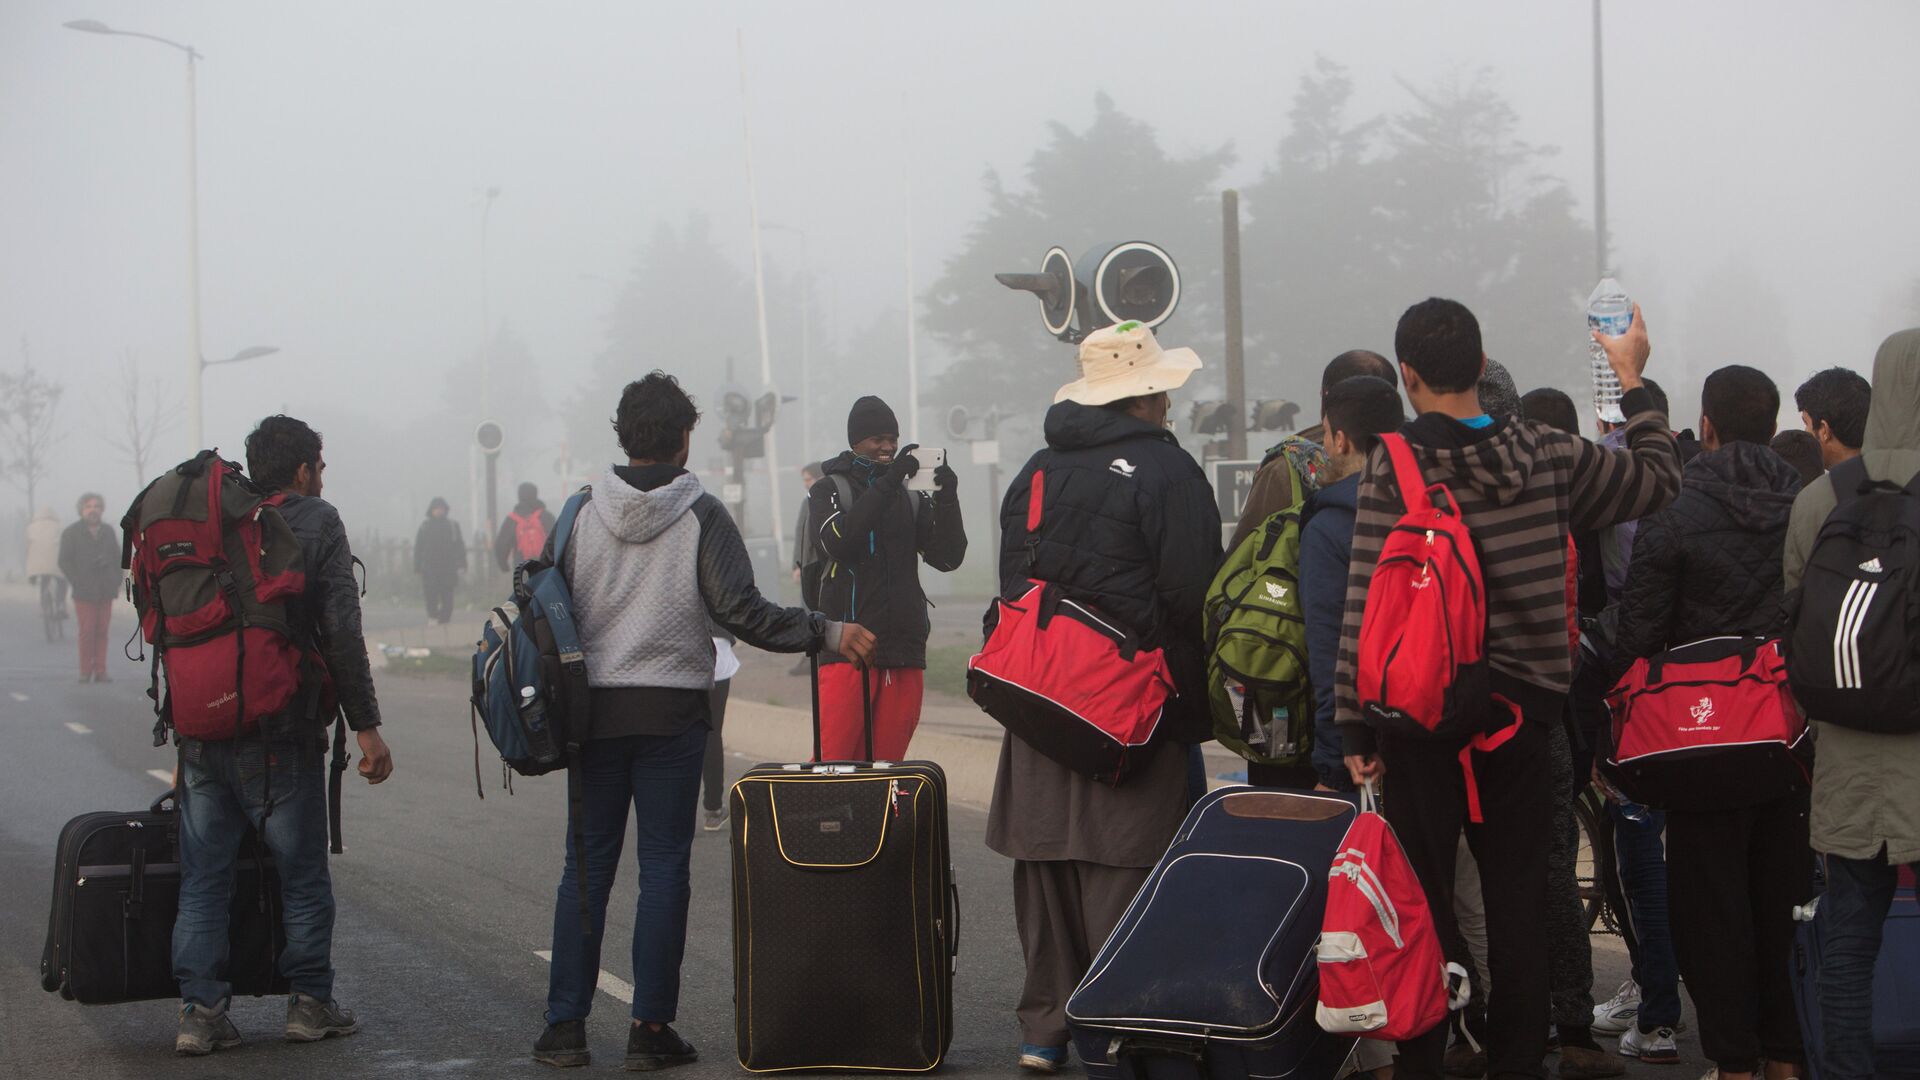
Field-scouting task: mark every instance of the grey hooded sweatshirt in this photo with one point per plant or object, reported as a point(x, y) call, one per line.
point(1866, 786)
point(652, 557)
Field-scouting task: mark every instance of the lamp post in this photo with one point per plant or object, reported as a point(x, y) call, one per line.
point(195, 361)
point(806, 339)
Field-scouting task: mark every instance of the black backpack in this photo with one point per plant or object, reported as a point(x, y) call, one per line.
point(1853, 654)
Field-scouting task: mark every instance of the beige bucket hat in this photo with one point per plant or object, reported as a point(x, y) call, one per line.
point(1126, 361)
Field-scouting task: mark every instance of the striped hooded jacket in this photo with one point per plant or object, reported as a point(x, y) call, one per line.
point(1523, 487)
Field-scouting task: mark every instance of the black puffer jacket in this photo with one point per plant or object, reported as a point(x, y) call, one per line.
point(874, 548)
point(1710, 564)
point(1128, 524)
point(329, 613)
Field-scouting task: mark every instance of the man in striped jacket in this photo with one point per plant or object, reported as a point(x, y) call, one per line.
point(1522, 488)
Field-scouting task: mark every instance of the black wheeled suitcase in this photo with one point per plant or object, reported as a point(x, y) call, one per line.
point(116, 890)
point(1211, 974)
point(845, 916)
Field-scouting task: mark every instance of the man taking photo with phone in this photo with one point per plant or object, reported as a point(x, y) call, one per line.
point(873, 531)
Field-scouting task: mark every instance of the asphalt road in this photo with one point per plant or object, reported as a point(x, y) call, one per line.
point(445, 901)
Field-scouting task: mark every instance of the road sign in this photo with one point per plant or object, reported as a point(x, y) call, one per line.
point(1232, 483)
point(986, 451)
point(489, 437)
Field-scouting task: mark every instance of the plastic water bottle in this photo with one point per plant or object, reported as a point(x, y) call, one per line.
point(1609, 311)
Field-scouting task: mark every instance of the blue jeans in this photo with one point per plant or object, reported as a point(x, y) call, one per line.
point(1852, 912)
point(1642, 859)
point(223, 789)
point(659, 777)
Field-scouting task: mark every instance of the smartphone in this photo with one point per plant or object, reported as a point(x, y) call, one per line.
point(930, 458)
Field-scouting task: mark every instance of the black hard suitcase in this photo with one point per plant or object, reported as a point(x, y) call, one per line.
point(1211, 974)
point(845, 915)
point(116, 890)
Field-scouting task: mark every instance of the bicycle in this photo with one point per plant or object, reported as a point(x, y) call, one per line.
point(1602, 897)
point(53, 606)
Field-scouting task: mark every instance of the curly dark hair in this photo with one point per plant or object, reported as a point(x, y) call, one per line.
point(653, 417)
point(277, 448)
point(1841, 398)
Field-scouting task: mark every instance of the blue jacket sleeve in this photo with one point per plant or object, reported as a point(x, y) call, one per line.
point(1326, 546)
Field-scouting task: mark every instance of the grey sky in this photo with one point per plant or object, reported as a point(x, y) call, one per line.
point(343, 146)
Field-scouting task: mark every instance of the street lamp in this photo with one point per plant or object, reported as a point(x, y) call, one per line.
point(806, 337)
point(195, 361)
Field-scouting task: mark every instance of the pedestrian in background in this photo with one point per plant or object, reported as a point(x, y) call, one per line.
point(523, 532)
point(90, 559)
point(439, 554)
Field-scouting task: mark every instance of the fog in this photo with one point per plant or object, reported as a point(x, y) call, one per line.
point(1760, 160)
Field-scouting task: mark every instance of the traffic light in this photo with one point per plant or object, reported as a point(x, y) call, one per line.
point(1275, 414)
point(1211, 417)
point(1111, 283)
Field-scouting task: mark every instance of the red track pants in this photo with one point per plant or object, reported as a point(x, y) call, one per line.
point(896, 712)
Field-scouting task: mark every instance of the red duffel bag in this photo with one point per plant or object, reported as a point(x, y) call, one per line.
point(1709, 725)
point(1071, 683)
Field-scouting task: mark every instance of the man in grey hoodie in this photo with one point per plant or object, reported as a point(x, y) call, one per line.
point(1866, 785)
point(651, 558)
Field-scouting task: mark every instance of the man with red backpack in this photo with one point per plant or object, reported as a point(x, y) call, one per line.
point(1462, 733)
point(523, 532)
point(272, 776)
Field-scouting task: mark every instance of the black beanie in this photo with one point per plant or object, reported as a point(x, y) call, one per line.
point(870, 417)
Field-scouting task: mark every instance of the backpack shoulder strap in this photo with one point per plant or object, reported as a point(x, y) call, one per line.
point(563, 528)
point(1848, 478)
point(844, 488)
point(1406, 473)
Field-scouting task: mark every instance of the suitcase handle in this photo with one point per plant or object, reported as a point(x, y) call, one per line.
point(160, 804)
point(953, 889)
point(866, 703)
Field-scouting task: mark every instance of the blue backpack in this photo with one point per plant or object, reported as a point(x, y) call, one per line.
point(529, 672)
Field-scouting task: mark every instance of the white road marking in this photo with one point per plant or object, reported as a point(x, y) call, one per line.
point(161, 775)
point(18, 696)
point(611, 985)
point(79, 729)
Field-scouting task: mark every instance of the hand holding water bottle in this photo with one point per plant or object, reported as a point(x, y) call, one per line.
point(1627, 353)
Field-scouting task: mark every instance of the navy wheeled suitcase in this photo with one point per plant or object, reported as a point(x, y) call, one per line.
point(1211, 973)
point(1896, 985)
point(845, 917)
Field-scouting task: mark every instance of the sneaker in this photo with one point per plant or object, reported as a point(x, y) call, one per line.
point(1584, 1063)
point(1045, 1060)
point(563, 1044)
point(204, 1030)
point(715, 820)
point(1654, 1047)
point(1464, 1061)
point(309, 1019)
point(648, 1049)
point(1619, 1015)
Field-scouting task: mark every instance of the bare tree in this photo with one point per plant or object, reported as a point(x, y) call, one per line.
point(146, 413)
point(27, 403)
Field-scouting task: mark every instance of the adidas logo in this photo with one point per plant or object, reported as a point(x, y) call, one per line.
point(1872, 566)
point(1122, 466)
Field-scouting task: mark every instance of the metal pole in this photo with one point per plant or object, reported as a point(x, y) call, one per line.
point(1599, 153)
point(1236, 341)
point(760, 310)
point(486, 317)
point(806, 352)
point(196, 361)
point(913, 357)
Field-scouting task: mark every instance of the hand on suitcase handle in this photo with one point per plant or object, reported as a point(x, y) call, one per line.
point(857, 644)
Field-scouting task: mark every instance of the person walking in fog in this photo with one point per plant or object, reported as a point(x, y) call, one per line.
point(523, 532)
point(43, 568)
point(1131, 527)
point(873, 533)
point(439, 554)
point(90, 560)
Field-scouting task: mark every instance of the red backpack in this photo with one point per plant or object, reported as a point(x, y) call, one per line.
point(529, 533)
point(213, 567)
point(1423, 660)
point(1383, 974)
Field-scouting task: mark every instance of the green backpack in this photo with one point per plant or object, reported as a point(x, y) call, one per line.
point(1257, 684)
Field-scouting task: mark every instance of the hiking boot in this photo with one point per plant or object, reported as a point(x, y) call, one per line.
point(204, 1030)
point(715, 820)
point(1621, 1013)
point(1584, 1063)
point(563, 1044)
point(1654, 1047)
point(309, 1019)
point(1464, 1061)
point(1045, 1060)
point(648, 1049)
